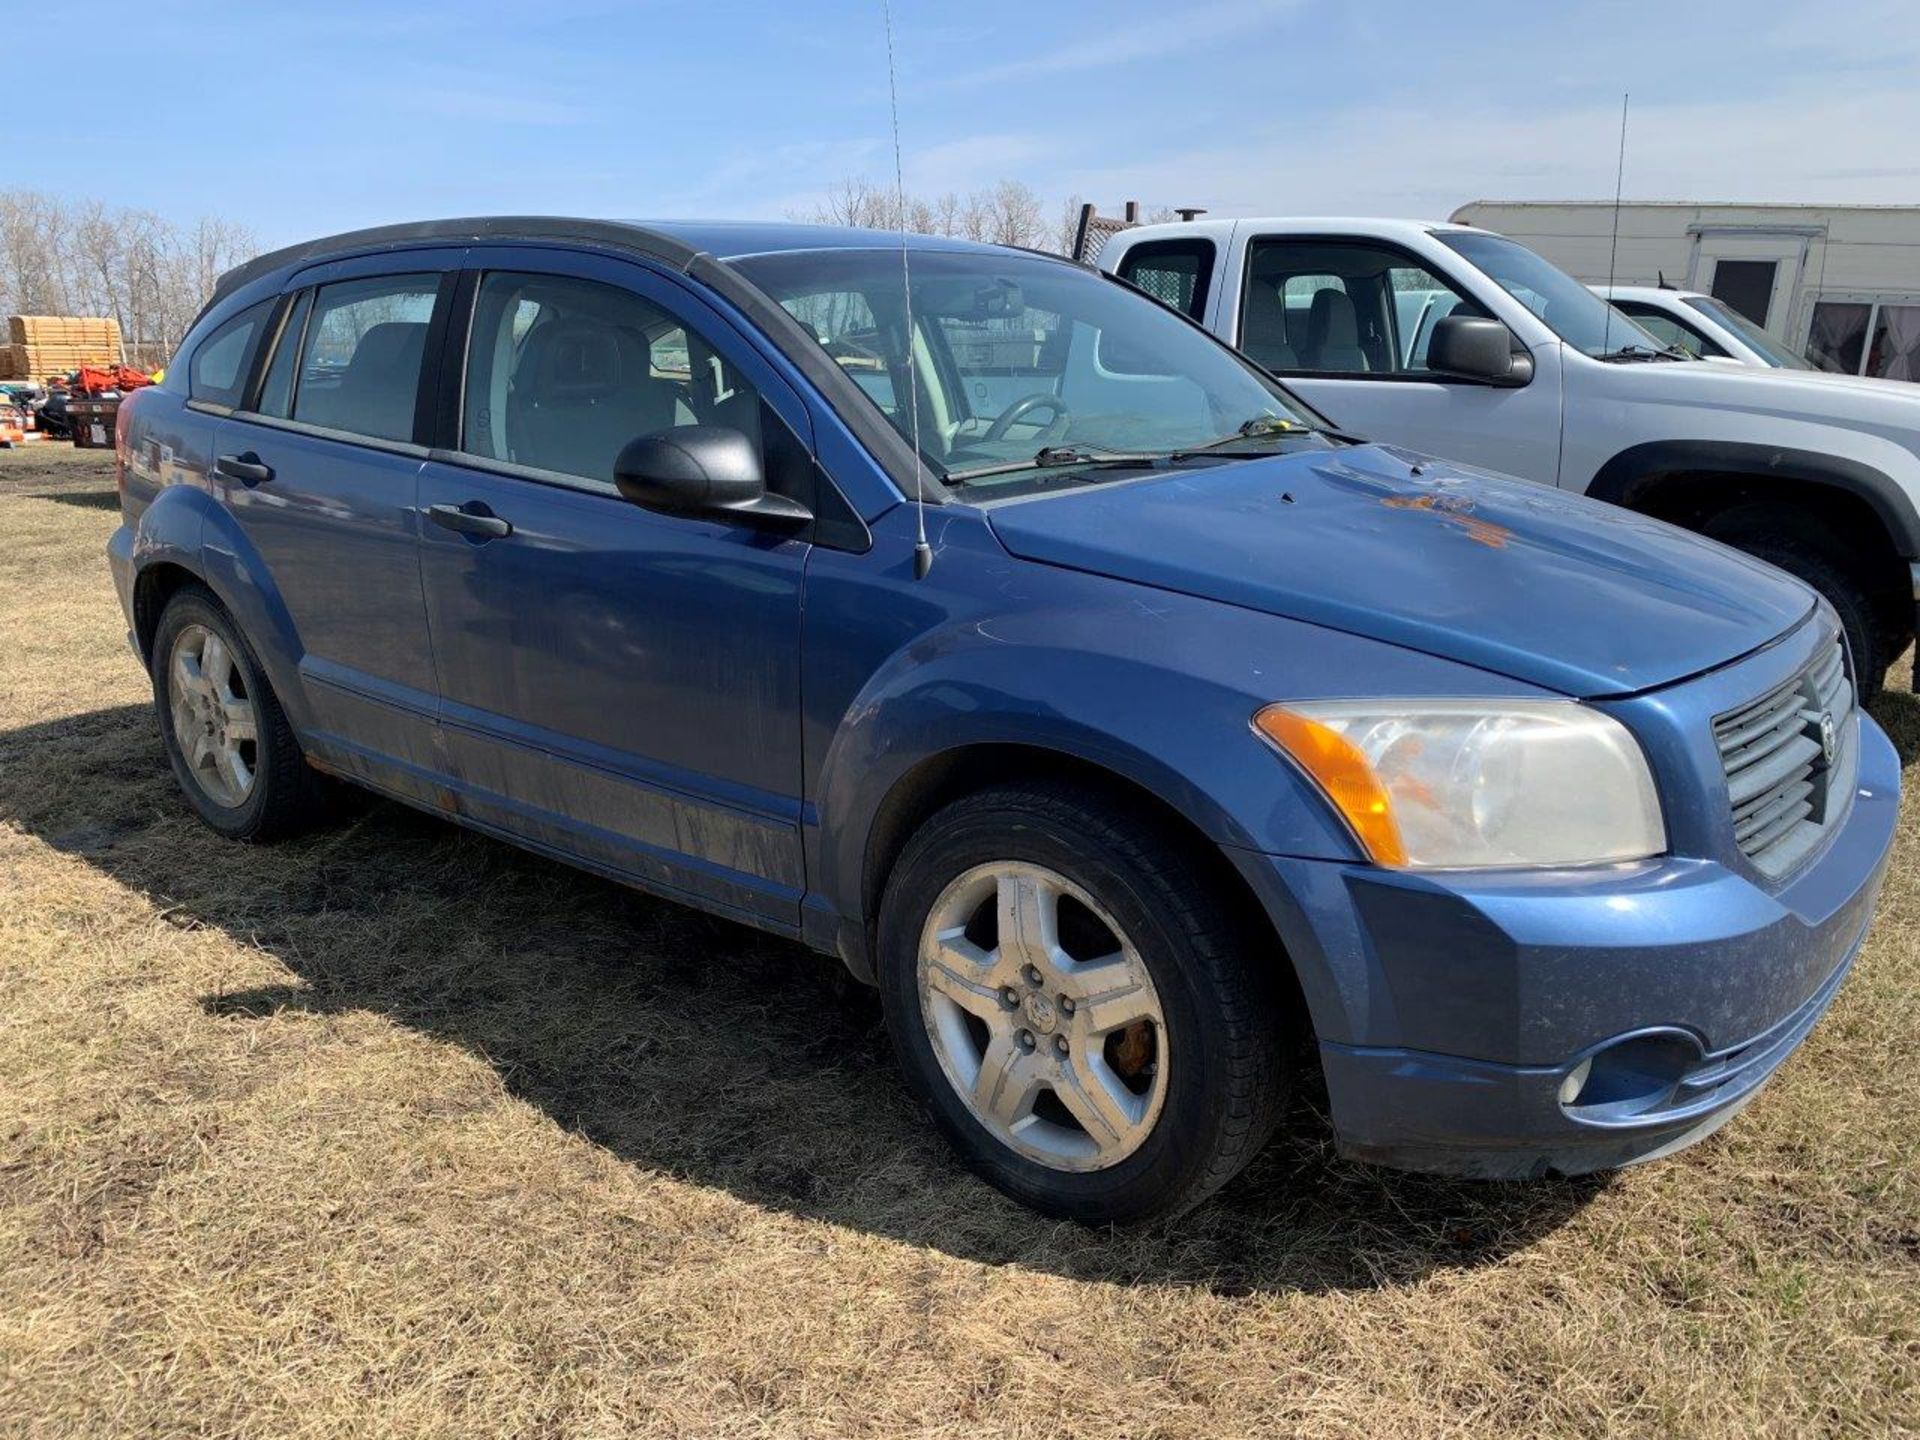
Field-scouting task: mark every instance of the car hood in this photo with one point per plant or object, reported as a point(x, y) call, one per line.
point(1512, 577)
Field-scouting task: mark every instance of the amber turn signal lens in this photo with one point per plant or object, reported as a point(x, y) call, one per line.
point(1342, 772)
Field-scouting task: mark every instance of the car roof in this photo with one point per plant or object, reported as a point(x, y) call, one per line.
point(678, 242)
point(1651, 293)
point(1375, 227)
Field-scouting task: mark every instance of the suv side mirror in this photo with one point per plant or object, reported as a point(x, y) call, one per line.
point(1472, 348)
point(711, 471)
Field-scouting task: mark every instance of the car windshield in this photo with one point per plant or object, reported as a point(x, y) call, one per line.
point(1770, 349)
point(1568, 308)
point(1024, 364)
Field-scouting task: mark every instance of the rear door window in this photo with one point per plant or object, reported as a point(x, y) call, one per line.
point(223, 361)
point(361, 359)
point(1175, 272)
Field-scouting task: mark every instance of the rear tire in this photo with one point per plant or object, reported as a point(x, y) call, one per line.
point(1194, 1083)
point(1799, 545)
point(232, 750)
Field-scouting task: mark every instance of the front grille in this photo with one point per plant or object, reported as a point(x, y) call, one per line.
point(1779, 770)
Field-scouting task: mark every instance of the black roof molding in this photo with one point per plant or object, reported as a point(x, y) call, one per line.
point(612, 233)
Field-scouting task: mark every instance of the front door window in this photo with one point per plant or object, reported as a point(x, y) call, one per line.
point(1315, 307)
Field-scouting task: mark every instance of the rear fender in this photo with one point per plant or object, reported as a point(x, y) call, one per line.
point(185, 526)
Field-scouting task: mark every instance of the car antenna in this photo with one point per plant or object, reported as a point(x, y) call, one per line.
point(1613, 247)
point(922, 552)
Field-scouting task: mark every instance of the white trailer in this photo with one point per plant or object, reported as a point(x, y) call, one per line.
point(1839, 284)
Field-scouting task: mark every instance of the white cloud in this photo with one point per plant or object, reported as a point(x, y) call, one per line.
point(1172, 32)
point(1819, 145)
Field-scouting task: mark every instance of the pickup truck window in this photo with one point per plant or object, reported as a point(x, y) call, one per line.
point(1020, 362)
point(1759, 339)
point(1321, 307)
point(1564, 305)
point(1669, 329)
point(1176, 272)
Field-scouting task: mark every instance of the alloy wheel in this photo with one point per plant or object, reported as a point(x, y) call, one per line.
point(1043, 1016)
point(214, 723)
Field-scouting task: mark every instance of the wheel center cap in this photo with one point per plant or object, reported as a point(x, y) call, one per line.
point(1042, 1014)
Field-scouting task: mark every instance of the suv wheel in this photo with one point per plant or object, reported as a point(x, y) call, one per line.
point(1798, 545)
point(231, 747)
point(1075, 1008)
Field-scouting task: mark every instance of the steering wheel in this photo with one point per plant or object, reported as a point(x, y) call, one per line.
point(1025, 406)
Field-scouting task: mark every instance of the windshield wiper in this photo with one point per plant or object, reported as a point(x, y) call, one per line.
point(1262, 427)
point(1643, 352)
point(1054, 456)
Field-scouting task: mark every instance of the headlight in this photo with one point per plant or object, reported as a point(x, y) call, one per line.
point(1476, 782)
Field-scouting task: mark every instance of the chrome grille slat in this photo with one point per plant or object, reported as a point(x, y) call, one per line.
point(1776, 769)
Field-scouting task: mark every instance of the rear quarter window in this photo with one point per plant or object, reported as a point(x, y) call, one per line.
point(217, 374)
point(1175, 272)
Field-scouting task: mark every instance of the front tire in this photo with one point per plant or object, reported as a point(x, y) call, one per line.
point(1793, 542)
point(231, 748)
point(1078, 1006)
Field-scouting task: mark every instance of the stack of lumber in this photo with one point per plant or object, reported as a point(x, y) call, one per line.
point(42, 345)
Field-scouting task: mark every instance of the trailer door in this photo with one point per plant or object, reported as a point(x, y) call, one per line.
point(1755, 272)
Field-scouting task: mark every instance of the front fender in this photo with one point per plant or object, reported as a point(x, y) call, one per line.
point(1156, 688)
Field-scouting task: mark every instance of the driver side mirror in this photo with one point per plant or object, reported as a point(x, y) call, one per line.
point(710, 471)
point(1470, 347)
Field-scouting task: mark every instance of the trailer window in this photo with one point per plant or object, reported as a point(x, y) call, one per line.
point(1837, 340)
point(1895, 352)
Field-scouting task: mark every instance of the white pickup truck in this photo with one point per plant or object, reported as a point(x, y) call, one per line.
point(1461, 343)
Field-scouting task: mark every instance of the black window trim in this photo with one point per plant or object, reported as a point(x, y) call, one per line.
point(844, 530)
point(1203, 276)
point(289, 301)
point(1392, 247)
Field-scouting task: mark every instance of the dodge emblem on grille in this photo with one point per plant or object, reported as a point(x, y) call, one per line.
point(1826, 736)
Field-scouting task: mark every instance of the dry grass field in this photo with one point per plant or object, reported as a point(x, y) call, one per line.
point(399, 1131)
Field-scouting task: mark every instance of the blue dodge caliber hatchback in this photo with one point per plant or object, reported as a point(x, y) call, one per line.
point(1194, 724)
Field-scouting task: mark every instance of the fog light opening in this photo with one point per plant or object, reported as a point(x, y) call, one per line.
point(1631, 1076)
point(1576, 1081)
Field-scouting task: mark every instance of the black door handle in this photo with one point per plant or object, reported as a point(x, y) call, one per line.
point(473, 518)
point(245, 467)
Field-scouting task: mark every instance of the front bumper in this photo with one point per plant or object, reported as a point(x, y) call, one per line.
point(1456, 1011)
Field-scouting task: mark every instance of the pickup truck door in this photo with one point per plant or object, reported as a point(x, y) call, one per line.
point(1346, 323)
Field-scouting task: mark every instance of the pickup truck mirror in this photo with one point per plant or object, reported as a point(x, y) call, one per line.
point(711, 471)
point(1474, 348)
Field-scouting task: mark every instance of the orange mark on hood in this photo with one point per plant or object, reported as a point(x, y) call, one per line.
point(1454, 512)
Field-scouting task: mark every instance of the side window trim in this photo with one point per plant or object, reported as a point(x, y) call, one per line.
point(1354, 242)
point(263, 358)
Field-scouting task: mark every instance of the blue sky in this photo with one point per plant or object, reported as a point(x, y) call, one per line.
point(300, 119)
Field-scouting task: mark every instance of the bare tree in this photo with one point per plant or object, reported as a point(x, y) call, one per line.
point(1009, 213)
point(88, 258)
